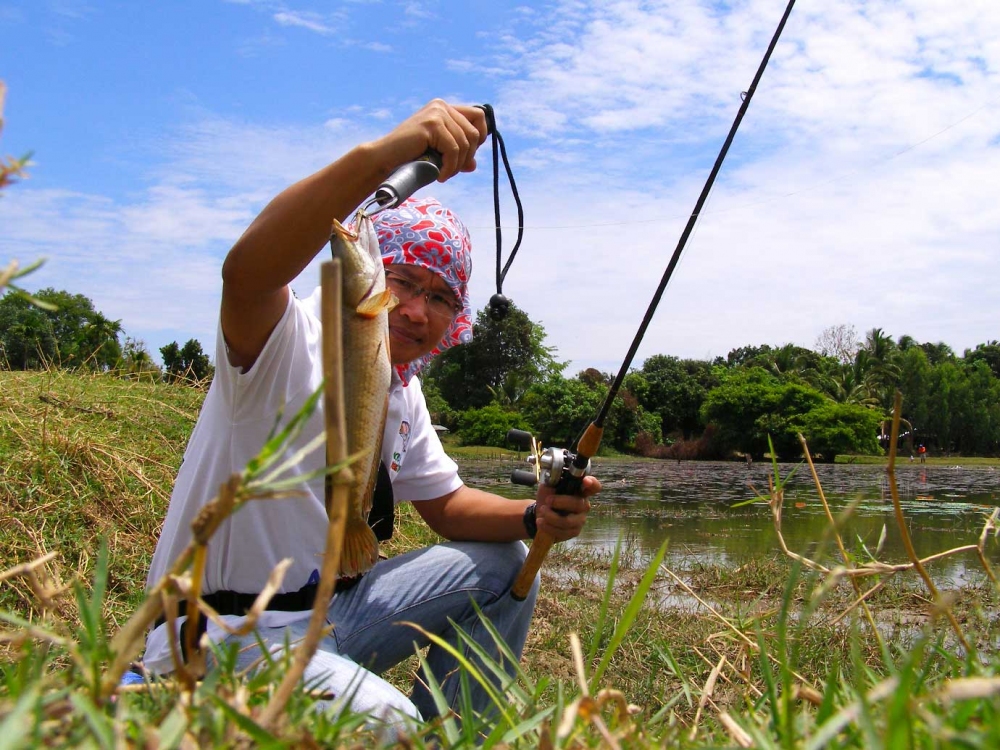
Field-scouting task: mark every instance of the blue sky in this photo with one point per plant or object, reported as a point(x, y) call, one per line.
point(860, 190)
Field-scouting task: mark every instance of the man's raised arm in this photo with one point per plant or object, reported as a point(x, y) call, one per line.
point(295, 226)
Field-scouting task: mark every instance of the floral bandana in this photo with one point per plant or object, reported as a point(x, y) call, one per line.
point(422, 232)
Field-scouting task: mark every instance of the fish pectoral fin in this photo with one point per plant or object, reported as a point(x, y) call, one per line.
point(376, 304)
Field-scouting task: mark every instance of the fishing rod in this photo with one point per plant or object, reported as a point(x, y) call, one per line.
point(410, 177)
point(565, 469)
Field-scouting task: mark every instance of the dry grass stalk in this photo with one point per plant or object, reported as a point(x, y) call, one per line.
point(129, 640)
point(337, 489)
point(905, 532)
point(738, 733)
point(41, 577)
point(746, 640)
point(48, 398)
point(832, 575)
point(741, 672)
point(706, 695)
point(10, 170)
point(840, 543)
point(876, 567)
point(8, 273)
point(27, 568)
point(989, 527)
point(968, 688)
point(37, 633)
point(589, 707)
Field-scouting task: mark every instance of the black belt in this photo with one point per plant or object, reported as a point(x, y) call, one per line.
point(381, 520)
point(236, 603)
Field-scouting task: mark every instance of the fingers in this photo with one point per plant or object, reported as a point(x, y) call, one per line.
point(455, 133)
point(562, 527)
point(564, 516)
point(591, 486)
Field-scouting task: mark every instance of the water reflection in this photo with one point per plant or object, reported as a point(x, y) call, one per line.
point(690, 504)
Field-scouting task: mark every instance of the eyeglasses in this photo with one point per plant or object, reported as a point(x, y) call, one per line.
point(439, 304)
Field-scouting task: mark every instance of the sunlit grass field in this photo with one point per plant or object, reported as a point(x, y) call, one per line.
point(767, 652)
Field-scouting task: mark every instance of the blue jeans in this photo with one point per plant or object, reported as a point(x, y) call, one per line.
point(427, 587)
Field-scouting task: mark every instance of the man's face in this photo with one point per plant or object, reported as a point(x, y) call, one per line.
point(426, 308)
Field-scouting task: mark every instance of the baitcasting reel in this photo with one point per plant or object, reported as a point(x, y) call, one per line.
point(557, 467)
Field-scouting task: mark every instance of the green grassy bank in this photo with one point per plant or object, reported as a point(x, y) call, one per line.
point(928, 461)
point(764, 652)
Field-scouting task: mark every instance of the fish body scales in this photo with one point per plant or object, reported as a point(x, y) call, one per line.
point(367, 372)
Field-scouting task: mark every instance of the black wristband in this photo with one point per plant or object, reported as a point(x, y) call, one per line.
point(529, 521)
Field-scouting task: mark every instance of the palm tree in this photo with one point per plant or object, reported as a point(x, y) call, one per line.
point(938, 353)
point(880, 361)
point(852, 383)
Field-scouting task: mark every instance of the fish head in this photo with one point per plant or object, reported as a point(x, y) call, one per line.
point(362, 272)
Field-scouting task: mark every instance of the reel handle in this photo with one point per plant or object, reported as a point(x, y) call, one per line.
point(540, 547)
point(520, 438)
point(542, 543)
point(524, 477)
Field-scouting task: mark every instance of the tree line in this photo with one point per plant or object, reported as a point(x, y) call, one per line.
point(839, 395)
point(65, 330)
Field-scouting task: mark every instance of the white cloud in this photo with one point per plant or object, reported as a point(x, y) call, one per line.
point(71, 9)
point(305, 20)
point(860, 189)
point(419, 10)
point(153, 259)
point(153, 264)
point(604, 67)
point(376, 46)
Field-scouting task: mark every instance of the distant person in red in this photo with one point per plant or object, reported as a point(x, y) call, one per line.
point(922, 452)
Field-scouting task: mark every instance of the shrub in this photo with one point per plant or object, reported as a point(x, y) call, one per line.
point(489, 425)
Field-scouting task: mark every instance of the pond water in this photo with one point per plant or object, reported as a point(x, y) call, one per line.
point(690, 504)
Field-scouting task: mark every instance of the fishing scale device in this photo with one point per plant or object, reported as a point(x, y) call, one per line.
point(409, 178)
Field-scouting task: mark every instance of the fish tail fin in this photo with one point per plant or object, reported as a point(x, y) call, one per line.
point(360, 549)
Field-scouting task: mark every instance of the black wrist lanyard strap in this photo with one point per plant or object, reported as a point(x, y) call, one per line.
point(500, 305)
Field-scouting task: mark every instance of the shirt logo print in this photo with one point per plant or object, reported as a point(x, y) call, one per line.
point(397, 456)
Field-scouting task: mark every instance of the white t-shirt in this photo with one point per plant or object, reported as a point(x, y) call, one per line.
point(236, 419)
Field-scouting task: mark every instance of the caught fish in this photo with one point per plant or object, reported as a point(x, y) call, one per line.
point(367, 372)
